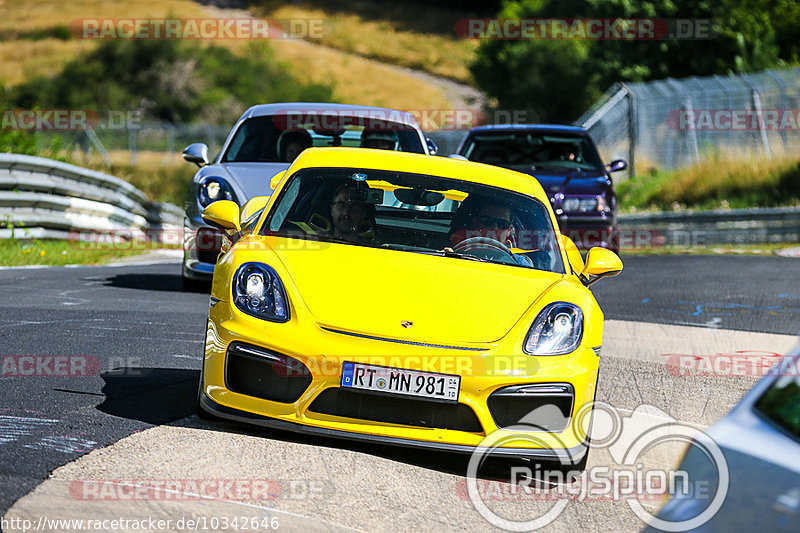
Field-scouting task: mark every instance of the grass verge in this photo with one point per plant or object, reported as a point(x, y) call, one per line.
point(712, 249)
point(719, 182)
point(22, 252)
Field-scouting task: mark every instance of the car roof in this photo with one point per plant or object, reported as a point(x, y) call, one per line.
point(540, 127)
point(420, 164)
point(379, 113)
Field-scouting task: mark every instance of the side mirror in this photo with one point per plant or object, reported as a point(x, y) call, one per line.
point(600, 263)
point(196, 153)
point(458, 156)
point(432, 148)
point(253, 206)
point(616, 165)
point(223, 214)
point(573, 254)
point(276, 180)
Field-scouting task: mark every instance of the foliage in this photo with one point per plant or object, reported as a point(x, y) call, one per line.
point(534, 74)
point(169, 80)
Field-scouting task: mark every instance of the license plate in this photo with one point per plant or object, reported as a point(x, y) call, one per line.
point(400, 381)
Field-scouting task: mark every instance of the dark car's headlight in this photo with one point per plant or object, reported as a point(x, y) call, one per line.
point(585, 205)
point(556, 331)
point(258, 291)
point(213, 189)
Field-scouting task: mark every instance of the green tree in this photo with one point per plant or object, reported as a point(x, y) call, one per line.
point(574, 72)
point(169, 80)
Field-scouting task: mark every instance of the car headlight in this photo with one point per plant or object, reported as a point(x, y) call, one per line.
point(213, 189)
point(585, 205)
point(258, 291)
point(556, 331)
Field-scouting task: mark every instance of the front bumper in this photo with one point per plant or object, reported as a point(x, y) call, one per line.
point(483, 372)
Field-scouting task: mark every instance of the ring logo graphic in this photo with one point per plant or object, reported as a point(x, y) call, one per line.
point(641, 473)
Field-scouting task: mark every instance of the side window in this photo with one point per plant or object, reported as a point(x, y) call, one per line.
point(781, 402)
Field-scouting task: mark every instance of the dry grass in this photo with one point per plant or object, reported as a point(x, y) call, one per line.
point(355, 79)
point(21, 60)
point(22, 16)
point(390, 40)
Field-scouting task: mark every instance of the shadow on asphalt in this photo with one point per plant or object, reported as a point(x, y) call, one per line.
point(151, 395)
point(169, 396)
point(149, 282)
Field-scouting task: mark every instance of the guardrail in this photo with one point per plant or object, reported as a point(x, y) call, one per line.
point(721, 226)
point(43, 198)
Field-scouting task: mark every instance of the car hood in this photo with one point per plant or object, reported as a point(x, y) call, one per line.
point(250, 179)
point(450, 301)
point(567, 182)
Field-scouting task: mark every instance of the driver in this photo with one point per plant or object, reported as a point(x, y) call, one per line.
point(349, 218)
point(488, 219)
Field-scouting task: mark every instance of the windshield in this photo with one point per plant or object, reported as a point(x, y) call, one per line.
point(281, 137)
point(532, 149)
point(416, 213)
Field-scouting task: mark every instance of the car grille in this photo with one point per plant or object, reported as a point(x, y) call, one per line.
point(545, 406)
point(264, 374)
point(396, 410)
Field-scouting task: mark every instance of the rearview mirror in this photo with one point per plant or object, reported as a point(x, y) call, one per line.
point(432, 148)
point(196, 153)
point(600, 263)
point(223, 214)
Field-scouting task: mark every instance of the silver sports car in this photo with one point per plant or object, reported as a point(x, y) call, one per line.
point(262, 144)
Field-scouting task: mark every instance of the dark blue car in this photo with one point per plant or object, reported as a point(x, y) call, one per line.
point(566, 163)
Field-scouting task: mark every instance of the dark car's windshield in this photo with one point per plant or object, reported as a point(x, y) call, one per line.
point(280, 137)
point(416, 213)
point(533, 149)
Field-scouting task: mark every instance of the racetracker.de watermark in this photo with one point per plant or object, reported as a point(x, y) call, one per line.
point(602, 29)
point(734, 119)
point(68, 119)
point(255, 490)
point(198, 28)
point(740, 363)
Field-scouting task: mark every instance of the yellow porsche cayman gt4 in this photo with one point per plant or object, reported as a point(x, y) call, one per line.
point(405, 299)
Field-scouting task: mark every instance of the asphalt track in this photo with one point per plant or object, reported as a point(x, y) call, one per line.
point(142, 339)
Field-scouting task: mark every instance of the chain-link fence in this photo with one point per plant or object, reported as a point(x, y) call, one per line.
point(672, 123)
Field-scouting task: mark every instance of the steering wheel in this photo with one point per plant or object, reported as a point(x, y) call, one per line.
point(476, 243)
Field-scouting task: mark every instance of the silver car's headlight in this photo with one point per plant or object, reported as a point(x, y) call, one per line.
point(556, 331)
point(213, 189)
point(258, 291)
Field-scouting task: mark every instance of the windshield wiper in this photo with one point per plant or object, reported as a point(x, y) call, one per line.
point(449, 252)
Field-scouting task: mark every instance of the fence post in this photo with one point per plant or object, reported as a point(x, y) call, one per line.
point(633, 125)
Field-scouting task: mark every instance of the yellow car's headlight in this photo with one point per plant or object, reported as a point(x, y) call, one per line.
point(556, 331)
point(258, 291)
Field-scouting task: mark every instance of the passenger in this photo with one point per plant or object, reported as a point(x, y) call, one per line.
point(382, 140)
point(292, 143)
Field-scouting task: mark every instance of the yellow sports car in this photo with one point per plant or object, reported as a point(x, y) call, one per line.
point(404, 299)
